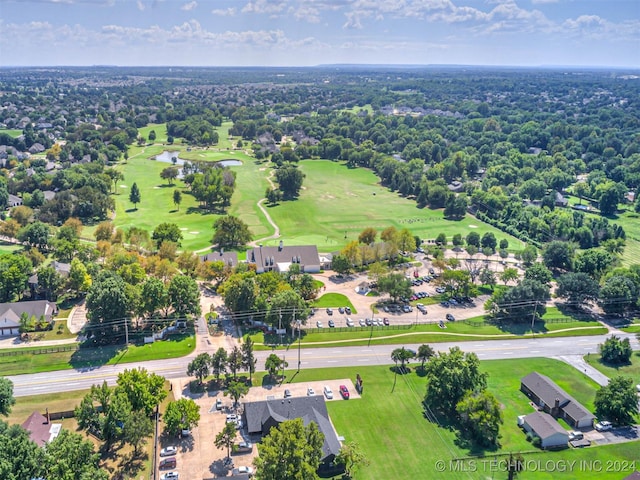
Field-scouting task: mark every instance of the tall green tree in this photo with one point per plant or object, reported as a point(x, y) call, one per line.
point(14, 274)
point(559, 255)
point(617, 401)
point(136, 431)
point(236, 389)
point(199, 367)
point(20, 458)
point(450, 375)
point(108, 305)
point(177, 198)
point(352, 457)
point(182, 414)
point(167, 232)
point(134, 195)
point(273, 363)
point(219, 363)
point(234, 362)
point(226, 437)
point(144, 389)
point(401, 355)
point(70, 457)
point(184, 296)
point(248, 357)
point(425, 353)
point(291, 451)
point(230, 232)
point(578, 288)
point(615, 351)
point(6, 396)
point(396, 285)
point(289, 179)
point(480, 417)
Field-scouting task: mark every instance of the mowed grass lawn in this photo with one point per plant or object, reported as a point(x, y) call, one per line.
point(8, 247)
point(632, 370)
point(338, 202)
point(389, 425)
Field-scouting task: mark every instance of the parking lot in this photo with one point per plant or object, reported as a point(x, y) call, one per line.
point(197, 456)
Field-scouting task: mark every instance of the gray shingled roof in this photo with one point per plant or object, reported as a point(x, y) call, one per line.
point(544, 425)
point(545, 389)
point(34, 308)
point(310, 409)
point(548, 391)
point(271, 256)
point(229, 258)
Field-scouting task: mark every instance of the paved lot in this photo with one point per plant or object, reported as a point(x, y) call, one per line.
point(197, 455)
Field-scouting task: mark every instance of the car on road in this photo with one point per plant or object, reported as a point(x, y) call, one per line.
point(168, 451)
point(603, 426)
point(450, 318)
point(169, 476)
point(287, 393)
point(328, 392)
point(349, 322)
point(332, 324)
point(310, 392)
point(318, 324)
point(362, 322)
point(329, 311)
point(344, 392)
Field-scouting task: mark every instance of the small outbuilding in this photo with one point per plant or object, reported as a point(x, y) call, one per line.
point(544, 426)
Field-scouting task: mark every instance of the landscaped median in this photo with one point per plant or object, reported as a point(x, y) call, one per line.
point(471, 329)
point(35, 359)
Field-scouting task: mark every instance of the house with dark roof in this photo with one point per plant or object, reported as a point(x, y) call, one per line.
point(280, 258)
point(10, 314)
point(260, 417)
point(13, 201)
point(544, 426)
point(552, 399)
point(230, 259)
point(40, 428)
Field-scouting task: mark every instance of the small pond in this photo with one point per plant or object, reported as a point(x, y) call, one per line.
point(230, 163)
point(167, 156)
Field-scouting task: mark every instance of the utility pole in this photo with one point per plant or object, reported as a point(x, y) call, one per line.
point(533, 318)
point(298, 323)
point(126, 333)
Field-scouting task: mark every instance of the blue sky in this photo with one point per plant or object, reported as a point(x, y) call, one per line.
point(314, 32)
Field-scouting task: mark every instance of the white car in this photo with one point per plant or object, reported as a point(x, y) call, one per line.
point(318, 324)
point(328, 392)
point(168, 451)
point(349, 322)
point(243, 469)
point(169, 476)
point(603, 426)
point(310, 392)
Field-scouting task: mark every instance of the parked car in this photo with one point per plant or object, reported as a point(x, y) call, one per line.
point(168, 451)
point(449, 317)
point(574, 435)
point(329, 311)
point(219, 404)
point(603, 426)
point(445, 304)
point(169, 476)
point(347, 310)
point(232, 417)
point(328, 392)
point(385, 320)
point(407, 308)
point(341, 309)
point(332, 324)
point(349, 322)
point(440, 290)
point(287, 393)
point(453, 301)
point(310, 392)
point(362, 322)
point(344, 392)
point(243, 470)
point(318, 324)
point(169, 462)
point(368, 322)
point(244, 447)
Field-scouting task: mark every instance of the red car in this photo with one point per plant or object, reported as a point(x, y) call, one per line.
point(344, 392)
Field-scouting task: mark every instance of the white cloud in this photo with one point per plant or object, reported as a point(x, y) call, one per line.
point(307, 13)
point(141, 6)
point(228, 12)
point(269, 7)
point(353, 21)
point(544, 1)
point(189, 6)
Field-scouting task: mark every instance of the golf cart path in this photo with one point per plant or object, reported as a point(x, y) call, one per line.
point(276, 229)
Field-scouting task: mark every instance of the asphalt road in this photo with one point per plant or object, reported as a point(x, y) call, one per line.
point(67, 380)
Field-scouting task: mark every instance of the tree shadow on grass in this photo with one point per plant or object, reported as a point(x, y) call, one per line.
point(400, 370)
point(473, 448)
point(88, 357)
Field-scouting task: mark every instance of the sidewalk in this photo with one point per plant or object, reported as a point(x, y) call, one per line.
point(578, 362)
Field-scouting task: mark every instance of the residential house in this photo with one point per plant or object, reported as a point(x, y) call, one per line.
point(280, 258)
point(552, 399)
point(260, 417)
point(14, 201)
point(10, 314)
point(560, 200)
point(40, 428)
point(229, 258)
point(543, 425)
point(63, 269)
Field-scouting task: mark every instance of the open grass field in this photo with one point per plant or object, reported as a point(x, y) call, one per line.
point(33, 360)
point(8, 247)
point(632, 370)
point(399, 442)
point(334, 300)
point(11, 132)
point(472, 329)
point(338, 202)
point(630, 221)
